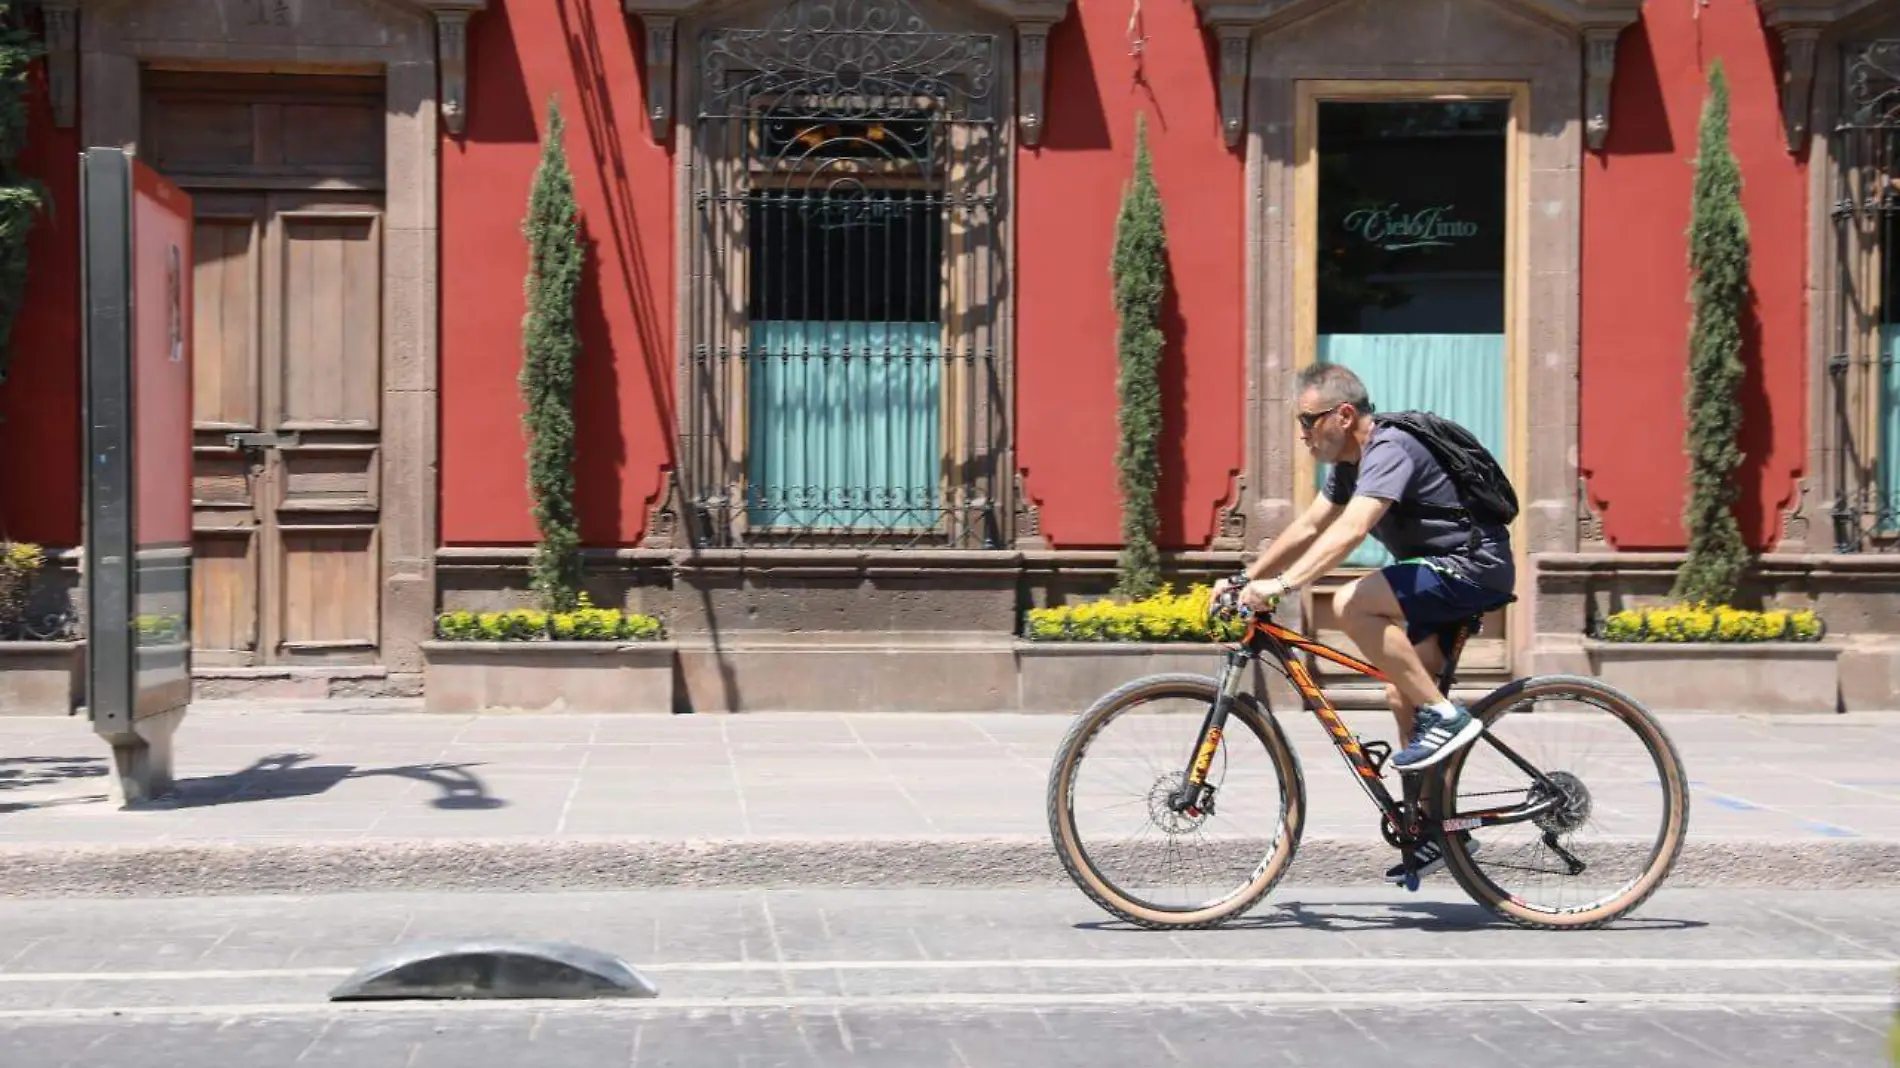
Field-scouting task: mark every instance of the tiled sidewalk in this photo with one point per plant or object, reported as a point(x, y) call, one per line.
point(338, 774)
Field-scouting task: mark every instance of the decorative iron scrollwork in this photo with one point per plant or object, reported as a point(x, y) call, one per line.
point(857, 55)
point(848, 161)
point(1872, 83)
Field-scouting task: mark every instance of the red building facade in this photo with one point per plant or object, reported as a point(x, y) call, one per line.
point(903, 211)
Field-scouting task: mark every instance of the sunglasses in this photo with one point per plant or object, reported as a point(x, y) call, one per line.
point(1309, 419)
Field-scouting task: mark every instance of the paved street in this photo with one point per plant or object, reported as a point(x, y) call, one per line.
point(919, 978)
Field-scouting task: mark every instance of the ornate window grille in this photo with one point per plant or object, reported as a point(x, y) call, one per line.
point(843, 384)
point(1863, 392)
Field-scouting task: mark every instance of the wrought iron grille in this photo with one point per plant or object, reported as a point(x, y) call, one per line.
point(1863, 393)
point(844, 381)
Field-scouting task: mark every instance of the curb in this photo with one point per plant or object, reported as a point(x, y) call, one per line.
point(527, 864)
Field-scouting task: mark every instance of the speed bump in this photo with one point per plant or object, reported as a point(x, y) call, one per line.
point(493, 968)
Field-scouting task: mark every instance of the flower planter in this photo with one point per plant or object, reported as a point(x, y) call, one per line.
point(1748, 677)
point(1068, 676)
point(41, 678)
point(582, 677)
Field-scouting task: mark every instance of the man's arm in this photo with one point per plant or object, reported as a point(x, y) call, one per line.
point(1294, 540)
point(1355, 521)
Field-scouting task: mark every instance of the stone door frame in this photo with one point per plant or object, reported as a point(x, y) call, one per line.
point(1566, 57)
point(100, 46)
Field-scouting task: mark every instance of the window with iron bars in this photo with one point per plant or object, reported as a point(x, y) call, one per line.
point(1863, 392)
point(844, 384)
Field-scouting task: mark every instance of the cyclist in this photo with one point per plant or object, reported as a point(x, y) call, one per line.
point(1447, 569)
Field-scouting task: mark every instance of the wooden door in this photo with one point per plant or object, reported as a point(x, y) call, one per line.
point(286, 172)
point(288, 351)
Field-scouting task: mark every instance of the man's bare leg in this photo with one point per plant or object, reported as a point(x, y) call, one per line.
point(1371, 617)
point(1431, 656)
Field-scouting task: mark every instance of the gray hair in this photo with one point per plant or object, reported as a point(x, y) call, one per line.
point(1336, 384)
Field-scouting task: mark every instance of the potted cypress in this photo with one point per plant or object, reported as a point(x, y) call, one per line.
point(566, 655)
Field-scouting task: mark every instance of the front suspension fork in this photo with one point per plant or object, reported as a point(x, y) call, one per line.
point(1195, 796)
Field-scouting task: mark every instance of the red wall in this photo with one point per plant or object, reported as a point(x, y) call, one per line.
point(520, 52)
point(1068, 195)
point(1636, 277)
point(40, 478)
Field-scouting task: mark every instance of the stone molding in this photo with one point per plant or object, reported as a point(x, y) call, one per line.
point(1598, 23)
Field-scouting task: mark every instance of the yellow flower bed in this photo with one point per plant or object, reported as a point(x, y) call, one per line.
point(1703, 623)
point(19, 562)
point(1164, 617)
point(584, 624)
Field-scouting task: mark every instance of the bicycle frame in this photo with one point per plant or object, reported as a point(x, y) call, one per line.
point(1404, 818)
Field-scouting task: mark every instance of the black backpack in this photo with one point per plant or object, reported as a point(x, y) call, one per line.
point(1474, 472)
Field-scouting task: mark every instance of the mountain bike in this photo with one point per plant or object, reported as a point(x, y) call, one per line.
point(1552, 805)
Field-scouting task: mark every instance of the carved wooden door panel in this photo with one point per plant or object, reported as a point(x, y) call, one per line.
point(227, 399)
point(289, 387)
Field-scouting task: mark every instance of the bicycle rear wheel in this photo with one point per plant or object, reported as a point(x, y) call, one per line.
point(1141, 737)
point(1620, 811)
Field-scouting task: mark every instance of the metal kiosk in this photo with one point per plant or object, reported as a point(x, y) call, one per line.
point(136, 255)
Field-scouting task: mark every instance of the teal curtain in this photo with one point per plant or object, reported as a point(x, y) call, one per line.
point(1457, 376)
point(842, 424)
point(1886, 521)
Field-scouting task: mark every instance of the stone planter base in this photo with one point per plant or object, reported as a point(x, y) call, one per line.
point(41, 678)
point(1757, 677)
point(1068, 677)
point(582, 677)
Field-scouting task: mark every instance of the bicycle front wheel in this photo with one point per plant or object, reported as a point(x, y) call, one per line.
point(1128, 850)
point(1613, 793)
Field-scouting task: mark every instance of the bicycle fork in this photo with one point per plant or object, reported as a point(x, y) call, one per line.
point(1195, 797)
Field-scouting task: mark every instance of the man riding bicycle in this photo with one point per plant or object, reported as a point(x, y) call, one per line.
point(1451, 564)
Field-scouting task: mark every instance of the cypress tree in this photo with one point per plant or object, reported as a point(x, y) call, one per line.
point(1718, 262)
point(1140, 271)
point(20, 196)
point(550, 347)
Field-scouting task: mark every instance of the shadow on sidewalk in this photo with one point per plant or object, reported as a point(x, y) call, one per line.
point(1348, 916)
point(28, 772)
point(284, 775)
point(20, 773)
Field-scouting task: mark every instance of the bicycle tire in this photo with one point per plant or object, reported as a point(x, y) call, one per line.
point(1074, 857)
point(1470, 875)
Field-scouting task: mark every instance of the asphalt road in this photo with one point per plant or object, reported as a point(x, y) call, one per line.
point(962, 978)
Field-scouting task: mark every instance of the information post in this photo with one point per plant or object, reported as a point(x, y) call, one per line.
point(136, 243)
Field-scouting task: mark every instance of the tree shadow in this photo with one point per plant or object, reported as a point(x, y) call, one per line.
point(284, 775)
point(20, 773)
point(1171, 491)
point(1348, 916)
point(27, 772)
point(1757, 435)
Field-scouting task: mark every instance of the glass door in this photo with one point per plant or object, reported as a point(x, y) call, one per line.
point(1408, 240)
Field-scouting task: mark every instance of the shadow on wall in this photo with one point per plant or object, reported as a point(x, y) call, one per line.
point(622, 239)
point(1757, 436)
point(1072, 105)
point(499, 111)
point(1639, 123)
point(1176, 418)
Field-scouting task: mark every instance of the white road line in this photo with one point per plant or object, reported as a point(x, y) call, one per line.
point(998, 1001)
point(1377, 964)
